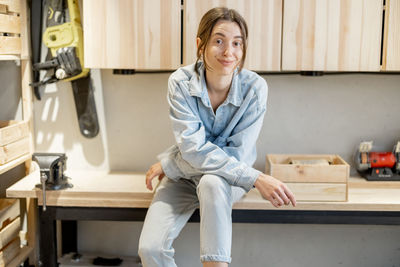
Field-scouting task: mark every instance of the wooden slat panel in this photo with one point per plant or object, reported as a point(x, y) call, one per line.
point(332, 35)
point(9, 252)
point(20, 258)
point(12, 5)
point(264, 19)
point(392, 36)
point(14, 150)
point(11, 131)
point(318, 191)
point(134, 34)
point(10, 23)
point(9, 210)
point(9, 232)
point(10, 45)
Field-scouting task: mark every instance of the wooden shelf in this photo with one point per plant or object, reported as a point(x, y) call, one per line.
point(14, 163)
point(9, 57)
point(21, 257)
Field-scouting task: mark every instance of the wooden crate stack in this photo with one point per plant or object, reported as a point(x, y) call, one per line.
point(311, 177)
point(16, 139)
point(10, 226)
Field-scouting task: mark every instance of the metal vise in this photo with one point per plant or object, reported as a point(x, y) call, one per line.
point(52, 166)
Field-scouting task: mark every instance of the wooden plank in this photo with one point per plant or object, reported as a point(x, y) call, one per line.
point(25, 33)
point(264, 19)
point(132, 34)
point(11, 131)
point(21, 257)
point(318, 191)
point(10, 24)
point(9, 165)
point(332, 35)
point(12, 5)
point(9, 210)
point(14, 150)
point(9, 252)
point(9, 232)
point(279, 166)
point(10, 45)
point(391, 56)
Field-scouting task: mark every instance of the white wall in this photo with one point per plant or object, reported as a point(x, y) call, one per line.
point(328, 114)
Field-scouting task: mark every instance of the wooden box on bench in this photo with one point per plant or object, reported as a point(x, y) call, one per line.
point(311, 177)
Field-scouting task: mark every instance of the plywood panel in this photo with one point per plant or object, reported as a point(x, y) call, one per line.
point(332, 35)
point(10, 45)
point(391, 60)
point(264, 19)
point(10, 23)
point(132, 34)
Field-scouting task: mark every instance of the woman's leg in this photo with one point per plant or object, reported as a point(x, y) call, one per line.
point(172, 206)
point(216, 198)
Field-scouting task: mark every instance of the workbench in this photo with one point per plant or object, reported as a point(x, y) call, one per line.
point(119, 196)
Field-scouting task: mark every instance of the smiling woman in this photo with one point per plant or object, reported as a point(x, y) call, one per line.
point(217, 110)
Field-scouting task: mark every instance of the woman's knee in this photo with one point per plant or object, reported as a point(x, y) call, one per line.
point(213, 186)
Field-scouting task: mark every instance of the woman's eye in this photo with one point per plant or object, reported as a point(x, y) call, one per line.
point(237, 43)
point(219, 41)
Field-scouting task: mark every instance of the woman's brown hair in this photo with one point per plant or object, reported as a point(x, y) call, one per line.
point(207, 24)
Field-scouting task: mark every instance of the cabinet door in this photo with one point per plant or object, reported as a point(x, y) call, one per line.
point(264, 21)
point(332, 35)
point(391, 56)
point(132, 34)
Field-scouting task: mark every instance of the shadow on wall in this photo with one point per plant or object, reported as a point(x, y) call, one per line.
point(57, 128)
point(10, 93)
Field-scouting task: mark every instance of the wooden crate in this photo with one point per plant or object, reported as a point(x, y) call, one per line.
point(9, 210)
point(14, 140)
point(9, 232)
point(10, 27)
point(310, 181)
point(9, 252)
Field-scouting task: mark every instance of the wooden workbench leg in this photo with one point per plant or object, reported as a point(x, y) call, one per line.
point(31, 210)
point(48, 240)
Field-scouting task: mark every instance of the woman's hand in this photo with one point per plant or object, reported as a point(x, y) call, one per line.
point(154, 171)
point(274, 190)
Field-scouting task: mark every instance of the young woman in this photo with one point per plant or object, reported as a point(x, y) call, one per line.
point(217, 110)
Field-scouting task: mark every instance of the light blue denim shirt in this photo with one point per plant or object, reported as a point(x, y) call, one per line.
point(221, 143)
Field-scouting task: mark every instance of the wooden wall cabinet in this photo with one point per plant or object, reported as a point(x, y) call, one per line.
point(391, 44)
point(264, 19)
point(132, 34)
point(332, 35)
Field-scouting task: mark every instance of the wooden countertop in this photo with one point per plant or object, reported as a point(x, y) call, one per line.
point(128, 190)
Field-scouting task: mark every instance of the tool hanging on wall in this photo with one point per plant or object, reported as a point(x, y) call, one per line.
point(52, 167)
point(378, 166)
point(64, 61)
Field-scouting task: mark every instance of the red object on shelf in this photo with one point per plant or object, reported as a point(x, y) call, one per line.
point(382, 159)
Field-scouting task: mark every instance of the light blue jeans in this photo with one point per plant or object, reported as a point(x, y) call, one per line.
point(173, 204)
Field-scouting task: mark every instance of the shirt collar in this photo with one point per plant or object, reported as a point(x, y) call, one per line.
point(198, 87)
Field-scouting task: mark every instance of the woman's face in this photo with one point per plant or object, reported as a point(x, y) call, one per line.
point(224, 50)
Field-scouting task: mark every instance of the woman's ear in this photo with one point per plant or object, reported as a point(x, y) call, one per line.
point(198, 41)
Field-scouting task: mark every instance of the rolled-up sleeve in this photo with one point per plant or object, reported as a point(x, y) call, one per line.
point(208, 158)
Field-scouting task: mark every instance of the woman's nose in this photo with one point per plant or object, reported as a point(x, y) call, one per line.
point(228, 50)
